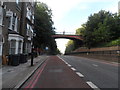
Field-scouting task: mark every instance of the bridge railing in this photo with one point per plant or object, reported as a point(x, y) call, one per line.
point(65, 33)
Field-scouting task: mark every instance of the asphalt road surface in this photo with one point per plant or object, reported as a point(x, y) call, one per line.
point(55, 73)
point(74, 72)
point(101, 73)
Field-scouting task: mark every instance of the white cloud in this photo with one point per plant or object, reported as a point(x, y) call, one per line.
point(113, 7)
point(61, 7)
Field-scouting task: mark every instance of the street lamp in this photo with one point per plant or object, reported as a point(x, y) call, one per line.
point(32, 49)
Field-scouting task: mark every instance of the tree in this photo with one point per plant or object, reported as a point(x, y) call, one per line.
point(44, 28)
point(70, 46)
point(80, 31)
point(101, 27)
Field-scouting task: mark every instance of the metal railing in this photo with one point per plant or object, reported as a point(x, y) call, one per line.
point(65, 33)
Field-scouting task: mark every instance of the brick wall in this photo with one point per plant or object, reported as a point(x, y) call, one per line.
point(98, 49)
point(105, 53)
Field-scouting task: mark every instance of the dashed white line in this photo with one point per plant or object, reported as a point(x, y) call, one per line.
point(92, 85)
point(95, 65)
point(69, 65)
point(66, 63)
point(63, 60)
point(79, 74)
point(73, 69)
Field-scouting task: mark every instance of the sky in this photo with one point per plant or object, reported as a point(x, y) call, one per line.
point(68, 15)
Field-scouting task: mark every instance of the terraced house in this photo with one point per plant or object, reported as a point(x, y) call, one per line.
point(27, 25)
point(17, 30)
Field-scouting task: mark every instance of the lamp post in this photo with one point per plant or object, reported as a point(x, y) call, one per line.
point(32, 49)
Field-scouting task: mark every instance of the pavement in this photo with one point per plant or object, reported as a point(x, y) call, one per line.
point(15, 76)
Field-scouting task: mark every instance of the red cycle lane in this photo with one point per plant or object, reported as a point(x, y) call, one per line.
point(54, 73)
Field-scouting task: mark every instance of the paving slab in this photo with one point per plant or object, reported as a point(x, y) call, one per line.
point(13, 76)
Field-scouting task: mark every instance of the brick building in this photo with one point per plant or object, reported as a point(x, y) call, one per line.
point(27, 25)
point(17, 28)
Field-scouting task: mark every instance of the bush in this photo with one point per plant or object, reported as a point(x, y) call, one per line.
point(114, 42)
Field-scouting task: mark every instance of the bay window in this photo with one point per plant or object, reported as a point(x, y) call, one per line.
point(19, 46)
point(12, 46)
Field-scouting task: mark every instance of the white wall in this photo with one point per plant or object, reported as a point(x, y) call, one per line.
point(17, 38)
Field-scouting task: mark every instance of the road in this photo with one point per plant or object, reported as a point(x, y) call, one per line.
point(74, 72)
point(54, 73)
point(102, 74)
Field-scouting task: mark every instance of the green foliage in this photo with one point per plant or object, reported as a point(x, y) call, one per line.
point(80, 31)
point(113, 43)
point(58, 51)
point(44, 28)
point(101, 27)
point(70, 46)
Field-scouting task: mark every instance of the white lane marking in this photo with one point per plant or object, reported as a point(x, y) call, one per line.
point(62, 60)
point(79, 74)
point(66, 63)
point(92, 85)
point(95, 65)
point(69, 65)
point(73, 69)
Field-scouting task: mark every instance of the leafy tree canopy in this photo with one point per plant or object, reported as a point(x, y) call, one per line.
point(44, 28)
point(101, 28)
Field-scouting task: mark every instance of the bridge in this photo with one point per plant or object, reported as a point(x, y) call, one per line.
point(67, 35)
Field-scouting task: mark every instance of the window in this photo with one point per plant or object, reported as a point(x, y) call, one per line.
point(32, 3)
point(29, 30)
point(16, 24)
point(1, 43)
point(28, 27)
point(12, 46)
point(0, 37)
point(13, 23)
point(28, 15)
point(33, 19)
point(0, 49)
point(19, 47)
point(28, 47)
point(1, 15)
